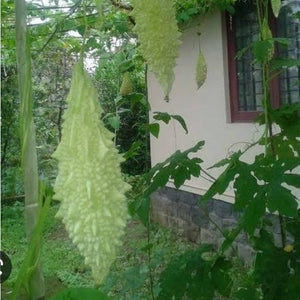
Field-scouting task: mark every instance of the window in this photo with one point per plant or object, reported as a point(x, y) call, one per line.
point(245, 77)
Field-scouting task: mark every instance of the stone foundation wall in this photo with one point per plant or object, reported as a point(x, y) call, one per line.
point(181, 211)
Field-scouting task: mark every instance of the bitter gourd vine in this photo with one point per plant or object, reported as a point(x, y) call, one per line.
point(89, 183)
point(158, 34)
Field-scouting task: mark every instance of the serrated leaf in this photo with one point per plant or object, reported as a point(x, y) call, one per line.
point(220, 276)
point(272, 277)
point(254, 212)
point(220, 185)
point(187, 276)
point(282, 200)
point(292, 179)
point(180, 174)
point(160, 174)
point(165, 117)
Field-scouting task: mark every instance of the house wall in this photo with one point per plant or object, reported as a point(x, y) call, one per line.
point(207, 114)
point(206, 111)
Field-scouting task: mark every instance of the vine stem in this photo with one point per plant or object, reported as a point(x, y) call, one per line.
point(149, 258)
point(268, 124)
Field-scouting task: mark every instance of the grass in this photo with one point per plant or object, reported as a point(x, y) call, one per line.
point(63, 266)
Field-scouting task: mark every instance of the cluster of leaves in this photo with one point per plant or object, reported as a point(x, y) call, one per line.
point(187, 10)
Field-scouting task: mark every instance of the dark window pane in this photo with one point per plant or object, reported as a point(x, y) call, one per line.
point(248, 75)
point(289, 26)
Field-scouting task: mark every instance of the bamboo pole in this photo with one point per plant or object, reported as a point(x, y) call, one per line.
point(35, 287)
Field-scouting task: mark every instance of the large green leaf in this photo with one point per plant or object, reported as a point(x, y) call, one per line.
point(191, 276)
point(178, 167)
point(165, 117)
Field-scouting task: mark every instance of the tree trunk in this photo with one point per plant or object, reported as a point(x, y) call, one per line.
point(28, 146)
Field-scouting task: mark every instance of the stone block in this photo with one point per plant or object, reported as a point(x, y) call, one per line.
point(193, 233)
point(228, 223)
point(162, 219)
point(222, 209)
point(208, 236)
point(246, 253)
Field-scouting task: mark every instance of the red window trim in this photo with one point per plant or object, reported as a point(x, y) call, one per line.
point(236, 115)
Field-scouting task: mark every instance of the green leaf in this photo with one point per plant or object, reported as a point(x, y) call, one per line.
point(282, 200)
point(292, 179)
point(114, 122)
point(127, 66)
point(220, 276)
point(181, 121)
point(254, 212)
point(276, 5)
point(79, 294)
point(220, 185)
point(187, 277)
point(162, 116)
point(178, 167)
point(154, 129)
point(165, 117)
point(278, 63)
point(262, 49)
point(143, 209)
point(271, 268)
point(133, 151)
point(180, 174)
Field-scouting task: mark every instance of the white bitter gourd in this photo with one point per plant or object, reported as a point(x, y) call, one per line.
point(158, 35)
point(89, 183)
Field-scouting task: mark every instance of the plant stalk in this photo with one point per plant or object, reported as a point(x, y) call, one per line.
point(36, 284)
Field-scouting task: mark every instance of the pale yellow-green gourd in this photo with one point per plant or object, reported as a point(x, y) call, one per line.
point(158, 35)
point(201, 70)
point(126, 86)
point(89, 183)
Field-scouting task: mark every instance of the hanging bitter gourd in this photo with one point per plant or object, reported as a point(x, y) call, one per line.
point(89, 183)
point(201, 70)
point(126, 86)
point(158, 35)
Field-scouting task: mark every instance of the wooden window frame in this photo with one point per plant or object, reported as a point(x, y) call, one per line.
point(236, 115)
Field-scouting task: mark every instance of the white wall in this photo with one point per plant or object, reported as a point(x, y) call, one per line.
point(205, 110)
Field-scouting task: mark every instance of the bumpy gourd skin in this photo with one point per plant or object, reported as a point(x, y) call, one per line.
point(89, 183)
point(158, 35)
point(201, 70)
point(126, 86)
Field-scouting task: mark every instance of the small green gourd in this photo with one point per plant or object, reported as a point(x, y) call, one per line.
point(126, 86)
point(89, 183)
point(201, 70)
